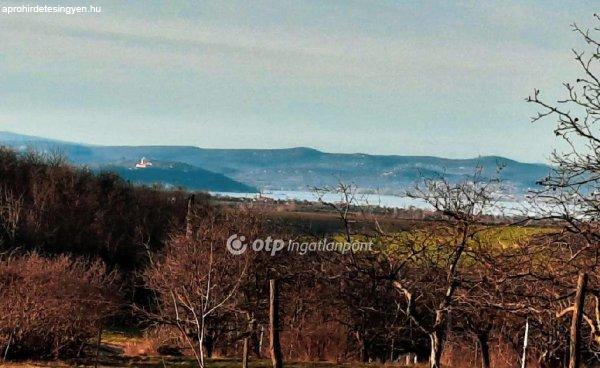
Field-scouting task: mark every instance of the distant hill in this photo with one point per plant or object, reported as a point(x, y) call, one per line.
point(179, 175)
point(290, 169)
point(174, 174)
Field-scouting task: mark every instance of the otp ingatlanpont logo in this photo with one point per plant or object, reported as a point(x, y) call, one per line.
point(236, 245)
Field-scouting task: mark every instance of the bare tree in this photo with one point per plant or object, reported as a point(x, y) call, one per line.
point(197, 281)
point(462, 206)
point(424, 266)
point(571, 192)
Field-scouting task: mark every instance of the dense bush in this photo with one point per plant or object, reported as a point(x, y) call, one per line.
point(52, 307)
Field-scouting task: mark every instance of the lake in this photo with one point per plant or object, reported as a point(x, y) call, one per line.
point(388, 201)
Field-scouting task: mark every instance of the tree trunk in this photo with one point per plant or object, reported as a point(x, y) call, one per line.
point(442, 318)
point(255, 344)
point(483, 339)
point(8, 345)
point(260, 341)
point(274, 324)
point(245, 353)
point(576, 321)
point(362, 350)
point(98, 343)
point(437, 345)
point(209, 345)
point(438, 335)
point(249, 336)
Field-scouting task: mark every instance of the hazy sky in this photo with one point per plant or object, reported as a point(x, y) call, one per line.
point(388, 77)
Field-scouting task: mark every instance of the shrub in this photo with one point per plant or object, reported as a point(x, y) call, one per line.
point(52, 307)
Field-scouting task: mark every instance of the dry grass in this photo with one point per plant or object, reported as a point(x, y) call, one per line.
point(129, 349)
point(161, 362)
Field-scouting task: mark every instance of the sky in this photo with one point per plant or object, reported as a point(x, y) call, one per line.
point(382, 77)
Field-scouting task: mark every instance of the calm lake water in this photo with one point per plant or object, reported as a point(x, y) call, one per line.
point(362, 199)
point(389, 201)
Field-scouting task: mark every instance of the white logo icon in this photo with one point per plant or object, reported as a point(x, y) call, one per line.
point(236, 245)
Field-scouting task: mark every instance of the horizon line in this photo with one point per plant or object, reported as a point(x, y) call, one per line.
point(268, 149)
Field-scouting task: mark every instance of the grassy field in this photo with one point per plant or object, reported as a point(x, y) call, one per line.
point(120, 350)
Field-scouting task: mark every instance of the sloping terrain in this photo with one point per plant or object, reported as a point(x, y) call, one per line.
point(285, 169)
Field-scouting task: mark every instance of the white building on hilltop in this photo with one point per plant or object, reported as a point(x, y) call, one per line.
point(143, 164)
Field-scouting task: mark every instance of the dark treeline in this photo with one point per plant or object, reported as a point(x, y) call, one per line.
point(52, 208)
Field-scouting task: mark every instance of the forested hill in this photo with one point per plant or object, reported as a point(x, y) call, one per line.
point(281, 169)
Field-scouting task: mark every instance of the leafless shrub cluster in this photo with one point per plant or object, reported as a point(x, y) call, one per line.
point(197, 282)
point(51, 307)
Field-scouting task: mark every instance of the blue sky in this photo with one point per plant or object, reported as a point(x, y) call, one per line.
point(383, 77)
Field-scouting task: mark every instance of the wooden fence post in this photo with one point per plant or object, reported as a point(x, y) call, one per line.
point(525, 343)
point(245, 354)
point(189, 217)
point(575, 340)
point(274, 324)
point(98, 343)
